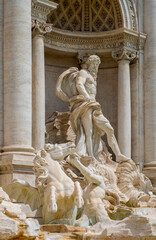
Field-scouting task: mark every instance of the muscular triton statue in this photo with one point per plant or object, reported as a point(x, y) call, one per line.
point(78, 87)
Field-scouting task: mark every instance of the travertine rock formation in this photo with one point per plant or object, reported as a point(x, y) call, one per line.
point(58, 128)
point(14, 222)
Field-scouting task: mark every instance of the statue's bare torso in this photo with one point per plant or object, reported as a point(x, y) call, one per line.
point(86, 84)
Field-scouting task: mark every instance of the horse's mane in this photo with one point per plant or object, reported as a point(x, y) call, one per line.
point(41, 171)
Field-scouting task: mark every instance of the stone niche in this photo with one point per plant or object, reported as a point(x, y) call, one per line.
point(56, 63)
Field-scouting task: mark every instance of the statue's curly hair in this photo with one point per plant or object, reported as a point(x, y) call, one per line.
point(93, 58)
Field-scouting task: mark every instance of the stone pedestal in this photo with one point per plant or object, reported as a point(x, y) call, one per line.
point(124, 57)
point(150, 90)
point(17, 91)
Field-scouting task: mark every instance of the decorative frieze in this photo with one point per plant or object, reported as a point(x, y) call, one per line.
point(105, 42)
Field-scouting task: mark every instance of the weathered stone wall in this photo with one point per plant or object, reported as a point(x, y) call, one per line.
point(54, 66)
point(107, 90)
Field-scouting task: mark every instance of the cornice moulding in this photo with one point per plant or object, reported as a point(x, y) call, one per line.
point(41, 9)
point(104, 41)
point(97, 34)
point(46, 3)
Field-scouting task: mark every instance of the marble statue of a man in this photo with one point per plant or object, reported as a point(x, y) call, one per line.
point(78, 87)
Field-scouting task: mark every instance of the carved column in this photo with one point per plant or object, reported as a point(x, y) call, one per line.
point(150, 90)
point(38, 86)
point(124, 57)
point(17, 156)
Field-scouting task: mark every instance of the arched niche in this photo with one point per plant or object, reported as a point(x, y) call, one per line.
point(86, 16)
point(74, 36)
point(77, 33)
point(93, 25)
point(94, 15)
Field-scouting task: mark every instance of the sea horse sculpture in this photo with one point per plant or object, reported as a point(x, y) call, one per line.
point(55, 192)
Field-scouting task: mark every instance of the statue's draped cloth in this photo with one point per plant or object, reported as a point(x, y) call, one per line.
point(66, 90)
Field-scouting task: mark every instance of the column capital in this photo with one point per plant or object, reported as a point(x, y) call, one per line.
point(124, 54)
point(40, 28)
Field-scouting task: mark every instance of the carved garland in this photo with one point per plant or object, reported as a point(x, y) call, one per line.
point(132, 15)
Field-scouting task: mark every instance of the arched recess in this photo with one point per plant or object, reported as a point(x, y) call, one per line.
point(70, 41)
point(94, 15)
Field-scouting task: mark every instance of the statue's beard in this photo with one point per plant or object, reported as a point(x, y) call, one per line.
point(93, 73)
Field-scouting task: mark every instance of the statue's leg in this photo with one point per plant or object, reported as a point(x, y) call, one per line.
point(106, 126)
point(86, 120)
point(52, 206)
point(111, 139)
point(91, 177)
point(78, 195)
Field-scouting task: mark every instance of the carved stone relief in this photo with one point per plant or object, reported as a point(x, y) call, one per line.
point(40, 27)
point(133, 15)
point(124, 54)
